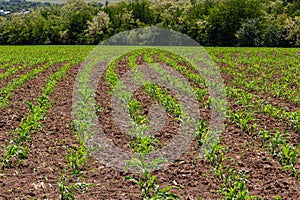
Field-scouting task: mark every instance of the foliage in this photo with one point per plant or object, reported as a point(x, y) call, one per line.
point(248, 34)
point(97, 27)
point(293, 30)
point(217, 23)
point(273, 74)
point(67, 191)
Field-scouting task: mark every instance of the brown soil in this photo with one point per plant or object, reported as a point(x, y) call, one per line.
point(6, 81)
point(289, 106)
point(11, 116)
point(37, 176)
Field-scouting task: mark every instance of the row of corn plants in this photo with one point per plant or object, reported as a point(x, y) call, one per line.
point(246, 122)
point(275, 73)
point(19, 146)
point(7, 91)
point(233, 182)
point(264, 106)
point(252, 73)
point(239, 65)
point(276, 142)
point(72, 179)
point(42, 56)
point(141, 143)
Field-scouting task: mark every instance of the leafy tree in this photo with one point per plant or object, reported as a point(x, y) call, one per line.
point(196, 20)
point(226, 18)
point(37, 26)
point(76, 13)
point(171, 14)
point(121, 17)
point(2, 29)
point(293, 7)
point(293, 30)
point(274, 33)
point(54, 29)
point(141, 12)
point(249, 34)
point(210, 22)
point(273, 7)
point(17, 31)
point(98, 27)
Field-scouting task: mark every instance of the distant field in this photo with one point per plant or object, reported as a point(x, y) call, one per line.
point(43, 153)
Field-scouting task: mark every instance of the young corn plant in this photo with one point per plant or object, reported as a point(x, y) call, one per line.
point(202, 94)
point(14, 151)
point(238, 190)
point(265, 137)
point(216, 155)
point(202, 130)
point(135, 111)
point(276, 142)
point(277, 197)
point(77, 159)
point(144, 144)
point(244, 98)
point(294, 120)
point(233, 183)
point(67, 191)
point(243, 120)
point(288, 158)
point(19, 145)
point(147, 182)
point(169, 102)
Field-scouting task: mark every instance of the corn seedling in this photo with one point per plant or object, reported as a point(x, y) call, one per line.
point(288, 158)
point(216, 155)
point(77, 159)
point(243, 120)
point(276, 142)
point(147, 182)
point(67, 191)
point(202, 130)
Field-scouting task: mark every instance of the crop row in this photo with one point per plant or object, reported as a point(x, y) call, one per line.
point(249, 77)
point(234, 183)
point(20, 143)
point(18, 147)
point(274, 73)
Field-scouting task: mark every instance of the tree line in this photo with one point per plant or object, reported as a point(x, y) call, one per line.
point(209, 22)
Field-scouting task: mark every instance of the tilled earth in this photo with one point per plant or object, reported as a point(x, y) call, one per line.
point(37, 176)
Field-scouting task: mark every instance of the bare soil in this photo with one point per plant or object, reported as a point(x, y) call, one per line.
point(37, 176)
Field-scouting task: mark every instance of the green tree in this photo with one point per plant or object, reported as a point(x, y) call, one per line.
point(17, 31)
point(249, 33)
point(292, 7)
point(37, 25)
point(3, 23)
point(121, 17)
point(75, 14)
point(54, 29)
point(226, 18)
point(141, 12)
point(171, 14)
point(98, 27)
point(293, 30)
point(274, 32)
